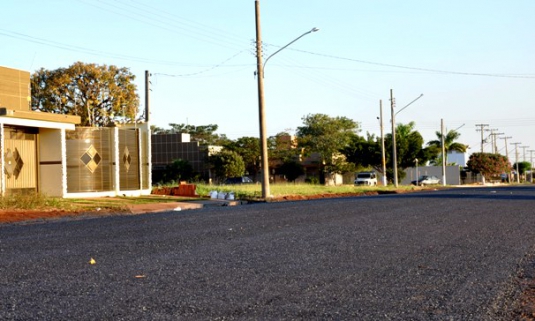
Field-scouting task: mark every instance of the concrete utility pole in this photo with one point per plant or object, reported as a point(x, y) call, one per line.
point(482, 130)
point(493, 135)
point(531, 165)
point(261, 109)
point(383, 158)
point(394, 149)
point(147, 92)
point(516, 161)
point(507, 153)
point(524, 152)
point(444, 156)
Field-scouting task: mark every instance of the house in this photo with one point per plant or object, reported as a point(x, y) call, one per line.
point(46, 153)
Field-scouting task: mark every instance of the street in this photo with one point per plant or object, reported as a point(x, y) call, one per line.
point(435, 255)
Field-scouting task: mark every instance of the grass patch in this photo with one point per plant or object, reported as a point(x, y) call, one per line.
point(27, 201)
point(254, 191)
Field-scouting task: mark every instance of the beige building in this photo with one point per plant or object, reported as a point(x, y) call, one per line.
point(46, 153)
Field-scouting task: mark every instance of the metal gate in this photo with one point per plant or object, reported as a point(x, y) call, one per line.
point(20, 159)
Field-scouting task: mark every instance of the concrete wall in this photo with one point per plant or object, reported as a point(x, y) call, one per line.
point(453, 174)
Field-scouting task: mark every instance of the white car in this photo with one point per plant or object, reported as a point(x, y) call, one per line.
point(366, 178)
point(426, 180)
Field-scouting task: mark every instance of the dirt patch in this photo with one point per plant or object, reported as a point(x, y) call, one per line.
point(14, 216)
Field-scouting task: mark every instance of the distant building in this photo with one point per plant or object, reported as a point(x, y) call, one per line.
point(169, 147)
point(457, 158)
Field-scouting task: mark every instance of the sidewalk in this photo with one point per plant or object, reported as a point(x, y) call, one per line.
point(180, 206)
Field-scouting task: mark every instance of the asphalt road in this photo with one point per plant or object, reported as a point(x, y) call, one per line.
point(441, 255)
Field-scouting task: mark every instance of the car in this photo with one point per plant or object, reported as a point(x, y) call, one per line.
point(238, 180)
point(426, 180)
point(366, 178)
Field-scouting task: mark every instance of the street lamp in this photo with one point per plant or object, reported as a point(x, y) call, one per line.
point(394, 148)
point(261, 113)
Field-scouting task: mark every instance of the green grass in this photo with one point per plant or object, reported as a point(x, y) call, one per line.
point(33, 201)
point(254, 191)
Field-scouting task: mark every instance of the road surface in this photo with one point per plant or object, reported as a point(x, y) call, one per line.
point(440, 255)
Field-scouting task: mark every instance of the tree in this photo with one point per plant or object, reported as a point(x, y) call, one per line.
point(488, 164)
point(291, 169)
point(100, 95)
point(326, 136)
point(178, 170)
point(409, 144)
point(365, 152)
point(450, 144)
point(226, 164)
point(523, 167)
point(249, 149)
point(204, 134)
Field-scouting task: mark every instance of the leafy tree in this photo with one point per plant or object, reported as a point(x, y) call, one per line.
point(409, 144)
point(523, 167)
point(450, 144)
point(326, 136)
point(365, 152)
point(226, 164)
point(99, 94)
point(282, 148)
point(179, 170)
point(292, 170)
point(204, 134)
point(249, 149)
point(488, 164)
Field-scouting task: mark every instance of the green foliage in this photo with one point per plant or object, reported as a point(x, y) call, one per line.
point(292, 170)
point(99, 94)
point(409, 144)
point(450, 144)
point(365, 153)
point(249, 149)
point(227, 164)
point(326, 136)
point(204, 134)
point(282, 147)
point(488, 164)
point(179, 170)
point(523, 167)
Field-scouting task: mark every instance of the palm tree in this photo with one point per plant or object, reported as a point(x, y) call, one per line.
point(449, 143)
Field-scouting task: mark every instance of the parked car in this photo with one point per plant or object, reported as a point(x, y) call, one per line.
point(366, 178)
point(426, 180)
point(238, 180)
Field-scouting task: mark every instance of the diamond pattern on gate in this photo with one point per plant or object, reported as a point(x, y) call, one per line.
point(127, 160)
point(91, 159)
point(14, 163)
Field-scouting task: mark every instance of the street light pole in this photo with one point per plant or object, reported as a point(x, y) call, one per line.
point(516, 161)
point(394, 147)
point(383, 158)
point(261, 106)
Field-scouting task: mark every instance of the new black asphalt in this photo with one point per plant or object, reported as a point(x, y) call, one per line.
point(440, 255)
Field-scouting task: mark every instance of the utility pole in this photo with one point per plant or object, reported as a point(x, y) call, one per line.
point(524, 152)
point(493, 135)
point(507, 154)
point(261, 110)
point(147, 91)
point(531, 165)
point(383, 158)
point(516, 161)
point(482, 130)
point(394, 149)
point(444, 156)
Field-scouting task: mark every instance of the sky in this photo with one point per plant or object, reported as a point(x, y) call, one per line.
point(471, 60)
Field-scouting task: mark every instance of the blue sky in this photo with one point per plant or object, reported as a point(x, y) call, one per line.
point(472, 60)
